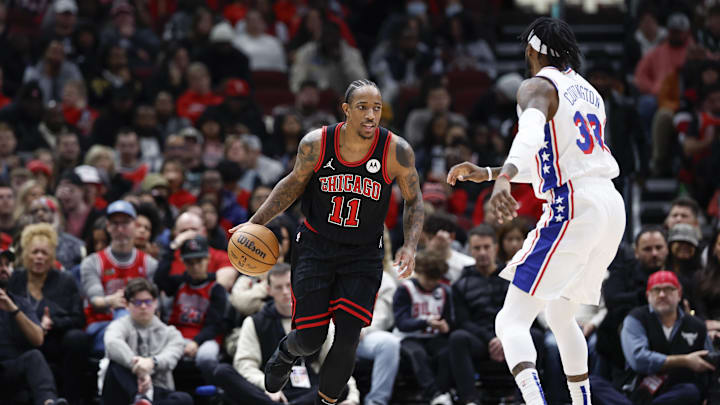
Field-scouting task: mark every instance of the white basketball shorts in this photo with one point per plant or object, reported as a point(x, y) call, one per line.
point(576, 238)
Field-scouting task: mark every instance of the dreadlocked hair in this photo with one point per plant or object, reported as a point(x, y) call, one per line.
point(356, 85)
point(556, 35)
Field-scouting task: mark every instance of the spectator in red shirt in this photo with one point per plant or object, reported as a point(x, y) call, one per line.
point(75, 108)
point(172, 170)
point(187, 226)
point(199, 96)
point(130, 166)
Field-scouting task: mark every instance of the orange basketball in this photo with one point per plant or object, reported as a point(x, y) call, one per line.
point(253, 249)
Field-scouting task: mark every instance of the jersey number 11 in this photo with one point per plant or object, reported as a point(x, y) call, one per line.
point(353, 217)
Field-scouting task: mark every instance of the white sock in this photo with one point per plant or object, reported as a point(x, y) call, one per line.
point(580, 392)
point(529, 384)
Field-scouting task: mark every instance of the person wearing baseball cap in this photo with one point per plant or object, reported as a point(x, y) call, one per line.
point(199, 303)
point(106, 273)
point(666, 346)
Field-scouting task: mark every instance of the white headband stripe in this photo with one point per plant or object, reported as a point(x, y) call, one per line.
point(538, 46)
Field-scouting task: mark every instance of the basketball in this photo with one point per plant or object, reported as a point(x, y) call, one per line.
point(253, 249)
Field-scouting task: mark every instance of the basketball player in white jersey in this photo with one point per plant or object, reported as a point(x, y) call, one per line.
point(560, 149)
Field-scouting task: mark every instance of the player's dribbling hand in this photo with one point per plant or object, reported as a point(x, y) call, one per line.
point(405, 262)
point(502, 202)
point(236, 227)
point(467, 171)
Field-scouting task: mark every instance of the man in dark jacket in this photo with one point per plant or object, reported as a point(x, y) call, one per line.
point(478, 295)
point(666, 347)
point(24, 114)
point(625, 289)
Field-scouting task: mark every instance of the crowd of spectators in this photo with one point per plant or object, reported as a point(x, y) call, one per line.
point(134, 134)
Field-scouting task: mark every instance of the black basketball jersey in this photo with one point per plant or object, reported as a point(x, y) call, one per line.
point(347, 201)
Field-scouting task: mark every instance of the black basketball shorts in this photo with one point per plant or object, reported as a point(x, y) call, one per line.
point(328, 276)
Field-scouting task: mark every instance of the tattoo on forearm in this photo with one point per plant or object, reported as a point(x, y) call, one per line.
point(414, 212)
point(293, 185)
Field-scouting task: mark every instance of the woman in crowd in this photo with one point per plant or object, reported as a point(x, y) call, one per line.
point(217, 237)
point(147, 228)
point(58, 305)
point(707, 289)
point(70, 250)
point(510, 238)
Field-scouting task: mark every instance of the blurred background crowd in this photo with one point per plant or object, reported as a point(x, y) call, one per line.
point(135, 133)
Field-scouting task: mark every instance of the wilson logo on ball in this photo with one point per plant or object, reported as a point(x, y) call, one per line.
point(242, 240)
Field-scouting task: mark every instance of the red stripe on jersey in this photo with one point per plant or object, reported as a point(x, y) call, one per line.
point(322, 150)
point(361, 161)
point(384, 158)
point(556, 154)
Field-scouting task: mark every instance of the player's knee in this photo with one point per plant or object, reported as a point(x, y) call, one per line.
point(558, 316)
point(310, 340)
point(347, 331)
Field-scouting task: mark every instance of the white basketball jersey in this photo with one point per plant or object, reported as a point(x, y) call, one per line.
point(573, 144)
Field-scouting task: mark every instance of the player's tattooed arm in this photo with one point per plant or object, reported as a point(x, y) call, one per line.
point(401, 167)
point(292, 185)
point(409, 184)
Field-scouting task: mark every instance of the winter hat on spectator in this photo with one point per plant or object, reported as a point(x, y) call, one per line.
point(663, 277)
point(66, 6)
point(221, 32)
point(684, 233)
point(237, 88)
point(38, 166)
point(88, 174)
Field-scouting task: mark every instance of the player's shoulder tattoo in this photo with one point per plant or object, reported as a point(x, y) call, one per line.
point(403, 152)
point(309, 147)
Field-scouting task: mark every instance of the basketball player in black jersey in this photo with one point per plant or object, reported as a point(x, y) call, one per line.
point(344, 173)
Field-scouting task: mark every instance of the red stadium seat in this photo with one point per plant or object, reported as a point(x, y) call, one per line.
point(467, 79)
point(464, 100)
point(271, 98)
point(267, 79)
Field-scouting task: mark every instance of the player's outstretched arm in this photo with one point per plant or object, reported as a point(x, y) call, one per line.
point(467, 171)
point(402, 167)
point(292, 185)
point(538, 99)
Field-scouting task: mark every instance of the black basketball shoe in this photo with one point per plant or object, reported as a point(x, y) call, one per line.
point(277, 370)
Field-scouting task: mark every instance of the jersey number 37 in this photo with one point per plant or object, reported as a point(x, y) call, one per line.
point(585, 125)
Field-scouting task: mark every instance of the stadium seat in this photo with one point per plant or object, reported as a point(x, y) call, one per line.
point(464, 100)
point(268, 79)
point(467, 79)
point(271, 98)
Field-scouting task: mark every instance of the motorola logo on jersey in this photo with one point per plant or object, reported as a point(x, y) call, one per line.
point(351, 183)
point(373, 166)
